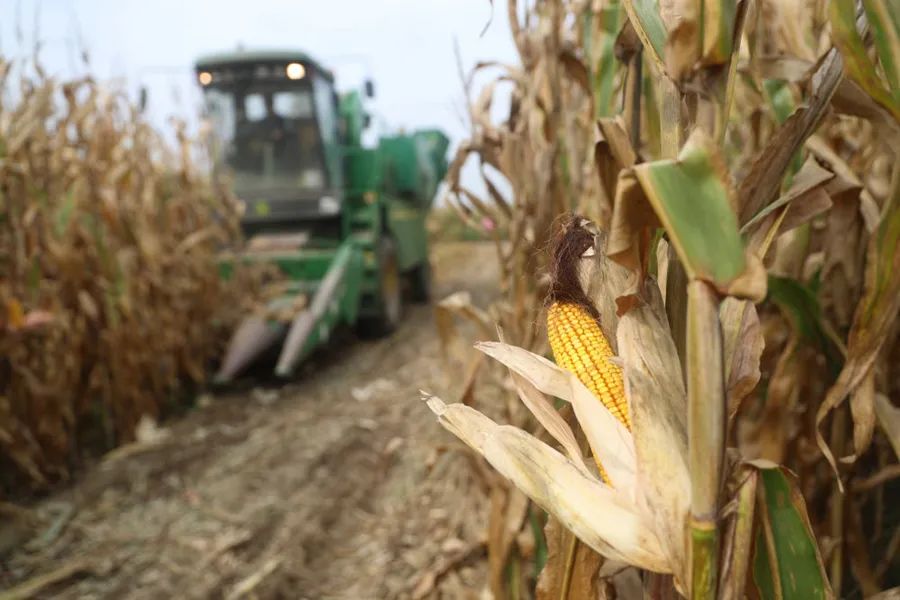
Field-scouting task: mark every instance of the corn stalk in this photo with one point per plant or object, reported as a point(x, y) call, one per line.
point(110, 294)
point(752, 172)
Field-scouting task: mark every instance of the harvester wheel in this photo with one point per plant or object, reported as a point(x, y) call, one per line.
point(390, 305)
point(420, 283)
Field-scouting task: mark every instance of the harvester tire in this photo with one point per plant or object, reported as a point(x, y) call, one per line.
point(420, 283)
point(390, 301)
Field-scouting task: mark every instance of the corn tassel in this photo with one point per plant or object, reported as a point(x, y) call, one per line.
point(580, 347)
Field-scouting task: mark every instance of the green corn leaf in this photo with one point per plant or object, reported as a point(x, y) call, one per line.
point(780, 97)
point(537, 518)
point(884, 19)
point(786, 561)
point(601, 31)
point(691, 198)
point(763, 575)
point(842, 14)
point(64, 215)
point(649, 26)
point(801, 307)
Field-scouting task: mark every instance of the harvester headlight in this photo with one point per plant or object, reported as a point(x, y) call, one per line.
point(295, 71)
point(329, 206)
point(205, 77)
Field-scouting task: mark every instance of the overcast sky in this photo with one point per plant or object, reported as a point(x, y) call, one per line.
point(405, 46)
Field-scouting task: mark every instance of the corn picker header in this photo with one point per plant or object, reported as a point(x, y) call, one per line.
point(344, 223)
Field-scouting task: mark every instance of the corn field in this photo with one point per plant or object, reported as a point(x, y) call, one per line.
point(706, 193)
point(112, 303)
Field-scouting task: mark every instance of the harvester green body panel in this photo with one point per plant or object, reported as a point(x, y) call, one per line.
point(407, 224)
point(412, 164)
point(294, 147)
point(330, 278)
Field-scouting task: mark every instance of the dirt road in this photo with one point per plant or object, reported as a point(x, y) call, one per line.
point(339, 485)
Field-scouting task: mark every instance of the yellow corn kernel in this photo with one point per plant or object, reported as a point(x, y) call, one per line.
point(580, 347)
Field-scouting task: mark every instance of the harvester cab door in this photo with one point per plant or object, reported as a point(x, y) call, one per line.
point(329, 138)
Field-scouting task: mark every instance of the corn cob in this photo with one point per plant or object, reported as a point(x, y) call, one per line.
point(580, 347)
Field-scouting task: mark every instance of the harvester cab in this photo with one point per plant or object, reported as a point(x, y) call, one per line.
point(345, 224)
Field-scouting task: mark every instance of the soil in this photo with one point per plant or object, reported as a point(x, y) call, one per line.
point(339, 484)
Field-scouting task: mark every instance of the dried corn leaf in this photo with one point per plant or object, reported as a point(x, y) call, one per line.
point(633, 219)
point(742, 347)
point(739, 536)
point(810, 177)
point(550, 419)
point(684, 42)
point(719, 20)
point(889, 419)
point(611, 442)
point(761, 184)
point(862, 409)
point(110, 278)
point(597, 514)
point(571, 568)
point(658, 405)
point(875, 313)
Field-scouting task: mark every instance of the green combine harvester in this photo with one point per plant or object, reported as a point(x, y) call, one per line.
point(344, 223)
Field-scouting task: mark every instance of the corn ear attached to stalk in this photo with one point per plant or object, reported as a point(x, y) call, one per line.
point(579, 343)
point(636, 431)
point(580, 347)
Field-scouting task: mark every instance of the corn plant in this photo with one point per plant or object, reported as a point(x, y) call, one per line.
point(735, 279)
point(111, 298)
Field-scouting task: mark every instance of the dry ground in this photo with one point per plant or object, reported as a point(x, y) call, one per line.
point(338, 485)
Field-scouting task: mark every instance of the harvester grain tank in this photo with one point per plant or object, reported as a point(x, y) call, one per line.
point(344, 223)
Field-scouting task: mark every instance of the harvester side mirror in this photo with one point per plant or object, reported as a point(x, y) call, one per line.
point(370, 88)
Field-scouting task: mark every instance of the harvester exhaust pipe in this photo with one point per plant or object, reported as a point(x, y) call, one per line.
point(325, 299)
